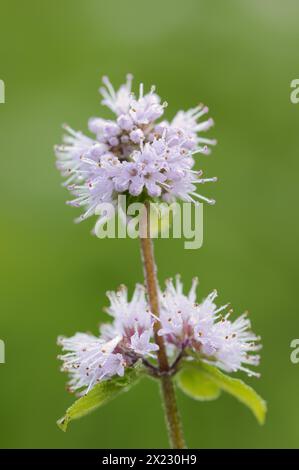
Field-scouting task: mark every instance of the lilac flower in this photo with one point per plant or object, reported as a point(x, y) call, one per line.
point(129, 315)
point(118, 102)
point(188, 122)
point(140, 343)
point(195, 329)
point(204, 330)
point(91, 359)
point(134, 154)
point(70, 155)
point(132, 320)
point(234, 343)
point(147, 108)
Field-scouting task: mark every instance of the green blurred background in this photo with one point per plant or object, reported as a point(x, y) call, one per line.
point(239, 58)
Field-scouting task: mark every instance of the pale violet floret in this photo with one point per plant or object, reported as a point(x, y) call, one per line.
point(129, 313)
point(90, 359)
point(189, 122)
point(205, 330)
point(190, 329)
point(133, 153)
point(118, 101)
point(132, 320)
point(147, 108)
point(70, 155)
point(234, 344)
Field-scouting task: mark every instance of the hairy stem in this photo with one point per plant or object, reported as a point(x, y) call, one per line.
point(168, 393)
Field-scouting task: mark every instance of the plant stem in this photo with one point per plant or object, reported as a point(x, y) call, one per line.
point(172, 416)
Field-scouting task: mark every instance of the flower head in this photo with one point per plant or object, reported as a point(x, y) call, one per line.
point(90, 359)
point(207, 330)
point(133, 153)
point(196, 330)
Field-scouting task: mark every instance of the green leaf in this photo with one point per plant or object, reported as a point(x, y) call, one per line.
point(99, 395)
point(197, 385)
point(234, 387)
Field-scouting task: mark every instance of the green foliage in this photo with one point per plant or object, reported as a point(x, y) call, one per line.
point(99, 395)
point(196, 384)
point(205, 382)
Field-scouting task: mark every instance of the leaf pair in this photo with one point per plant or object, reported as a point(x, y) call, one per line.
point(202, 381)
point(197, 379)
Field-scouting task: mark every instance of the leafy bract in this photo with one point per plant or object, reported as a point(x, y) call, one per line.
point(204, 382)
point(99, 395)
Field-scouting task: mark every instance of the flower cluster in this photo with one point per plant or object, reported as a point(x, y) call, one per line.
point(134, 154)
point(121, 343)
point(189, 329)
point(206, 329)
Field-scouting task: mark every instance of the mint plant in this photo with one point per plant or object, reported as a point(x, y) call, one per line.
point(162, 333)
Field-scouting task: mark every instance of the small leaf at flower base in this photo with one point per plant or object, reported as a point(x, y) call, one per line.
point(99, 395)
point(235, 387)
point(195, 383)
